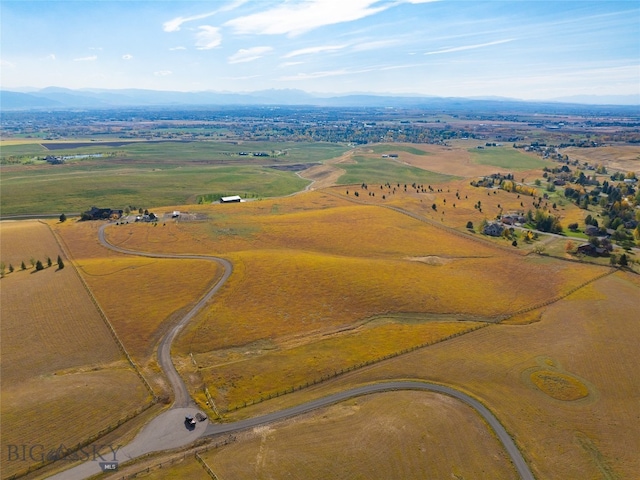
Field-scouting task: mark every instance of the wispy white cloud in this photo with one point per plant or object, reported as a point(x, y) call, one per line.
point(173, 49)
point(127, 56)
point(558, 80)
point(346, 71)
point(374, 45)
point(245, 77)
point(313, 75)
point(469, 47)
point(249, 54)
point(290, 64)
point(174, 24)
point(90, 58)
point(162, 73)
point(208, 37)
point(295, 18)
point(312, 50)
point(51, 56)
point(7, 64)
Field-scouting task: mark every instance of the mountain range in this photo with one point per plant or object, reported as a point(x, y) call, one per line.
point(62, 98)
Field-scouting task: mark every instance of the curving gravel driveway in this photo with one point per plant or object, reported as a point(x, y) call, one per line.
point(181, 394)
point(504, 437)
point(168, 431)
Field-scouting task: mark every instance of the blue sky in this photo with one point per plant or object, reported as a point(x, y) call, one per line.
point(520, 49)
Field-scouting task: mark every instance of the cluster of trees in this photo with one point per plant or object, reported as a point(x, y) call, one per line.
point(492, 180)
point(544, 221)
point(621, 260)
point(618, 201)
point(505, 182)
point(37, 264)
point(359, 133)
point(511, 186)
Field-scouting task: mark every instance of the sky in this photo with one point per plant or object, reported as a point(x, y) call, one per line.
point(522, 49)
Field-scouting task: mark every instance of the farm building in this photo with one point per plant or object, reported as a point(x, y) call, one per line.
point(147, 217)
point(513, 219)
point(493, 229)
point(589, 249)
point(96, 213)
point(591, 230)
point(231, 199)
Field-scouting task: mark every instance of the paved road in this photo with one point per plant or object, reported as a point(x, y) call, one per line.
point(167, 430)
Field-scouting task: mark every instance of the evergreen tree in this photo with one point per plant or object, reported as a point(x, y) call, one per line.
point(623, 260)
point(60, 263)
point(39, 265)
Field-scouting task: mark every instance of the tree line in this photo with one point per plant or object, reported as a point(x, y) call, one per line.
point(36, 264)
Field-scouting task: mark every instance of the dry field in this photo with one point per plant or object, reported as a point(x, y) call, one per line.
point(619, 157)
point(456, 202)
point(381, 436)
point(314, 266)
point(315, 221)
point(58, 357)
point(140, 296)
point(388, 435)
point(449, 160)
point(589, 338)
point(327, 173)
point(263, 370)
point(324, 281)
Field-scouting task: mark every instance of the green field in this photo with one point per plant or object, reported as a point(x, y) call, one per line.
point(506, 157)
point(398, 148)
point(379, 170)
point(153, 174)
point(171, 152)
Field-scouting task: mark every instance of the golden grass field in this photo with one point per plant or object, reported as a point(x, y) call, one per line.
point(324, 281)
point(620, 157)
point(388, 435)
point(381, 436)
point(588, 337)
point(57, 353)
point(139, 295)
point(308, 266)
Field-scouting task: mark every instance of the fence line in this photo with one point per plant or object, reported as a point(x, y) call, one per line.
point(366, 363)
point(82, 444)
point(65, 251)
point(136, 369)
point(205, 466)
point(351, 368)
point(194, 451)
